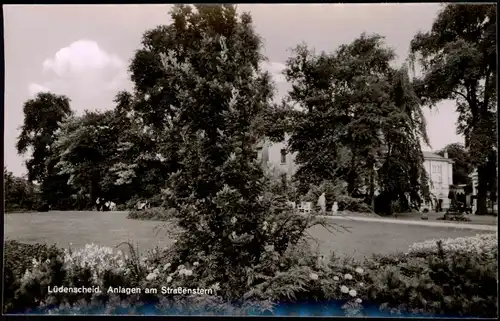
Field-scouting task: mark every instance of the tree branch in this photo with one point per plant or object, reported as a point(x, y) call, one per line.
point(461, 94)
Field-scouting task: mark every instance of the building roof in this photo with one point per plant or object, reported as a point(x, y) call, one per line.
point(434, 156)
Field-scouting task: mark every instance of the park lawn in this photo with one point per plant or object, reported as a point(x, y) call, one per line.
point(113, 228)
point(433, 216)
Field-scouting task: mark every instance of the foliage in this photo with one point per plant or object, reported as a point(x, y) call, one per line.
point(359, 120)
point(433, 280)
point(336, 192)
point(20, 195)
point(153, 213)
point(18, 257)
point(454, 277)
point(224, 204)
point(479, 244)
point(42, 118)
point(462, 166)
point(458, 57)
point(100, 266)
point(454, 217)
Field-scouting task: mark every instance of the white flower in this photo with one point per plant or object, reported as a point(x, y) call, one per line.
point(336, 278)
point(353, 293)
point(344, 289)
point(269, 248)
point(181, 267)
point(359, 270)
point(233, 234)
point(182, 271)
point(358, 300)
point(188, 272)
point(156, 271)
point(361, 284)
point(348, 276)
point(169, 279)
point(196, 263)
point(233, 220)
point(151, 276)
point(166, 266)
point(216, 286)
point(313, 276)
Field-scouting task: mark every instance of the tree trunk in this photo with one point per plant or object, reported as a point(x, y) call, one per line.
point(372, 189)
point(482, 191)
point(351, 176)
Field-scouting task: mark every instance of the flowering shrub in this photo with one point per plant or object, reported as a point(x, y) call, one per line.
point(455, 277)
point(481, 243)
point(429, 280)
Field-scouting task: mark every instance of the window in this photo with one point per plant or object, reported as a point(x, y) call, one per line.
point(283, 156)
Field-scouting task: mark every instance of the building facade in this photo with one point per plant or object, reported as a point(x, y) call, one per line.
point(440, 174)
point(439, 170)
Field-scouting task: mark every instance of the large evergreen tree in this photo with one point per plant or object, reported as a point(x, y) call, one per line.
point(219, 91)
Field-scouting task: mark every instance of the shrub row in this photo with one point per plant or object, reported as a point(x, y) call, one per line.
point(448, 278)
point(153, 213)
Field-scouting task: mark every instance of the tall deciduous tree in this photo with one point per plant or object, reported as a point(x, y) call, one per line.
point(462, 166)
point(356, 113)
point(82, 152)
point(459, 61)
point(19, 194)
point(42, 118)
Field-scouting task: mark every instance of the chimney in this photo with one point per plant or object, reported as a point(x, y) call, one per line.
point(445, 154)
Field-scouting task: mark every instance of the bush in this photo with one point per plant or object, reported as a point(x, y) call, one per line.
point(455, 278)
point(337, 192)
point(454, 217)
point(18, 258)
point(122, 207)
point(153, 213)
point(101, 266)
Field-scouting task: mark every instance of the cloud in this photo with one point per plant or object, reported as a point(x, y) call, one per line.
point(276, 70)
point(36, 88)
point(83, 69)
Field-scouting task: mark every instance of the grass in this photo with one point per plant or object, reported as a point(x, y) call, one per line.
point(113, 228)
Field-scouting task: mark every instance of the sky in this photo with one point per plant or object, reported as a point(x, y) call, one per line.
point(84, 51)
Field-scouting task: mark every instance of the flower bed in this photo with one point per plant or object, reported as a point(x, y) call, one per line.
point(481, 243)
point(429, 280)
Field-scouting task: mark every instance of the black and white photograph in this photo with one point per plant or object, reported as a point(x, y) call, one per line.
point(251, 160)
